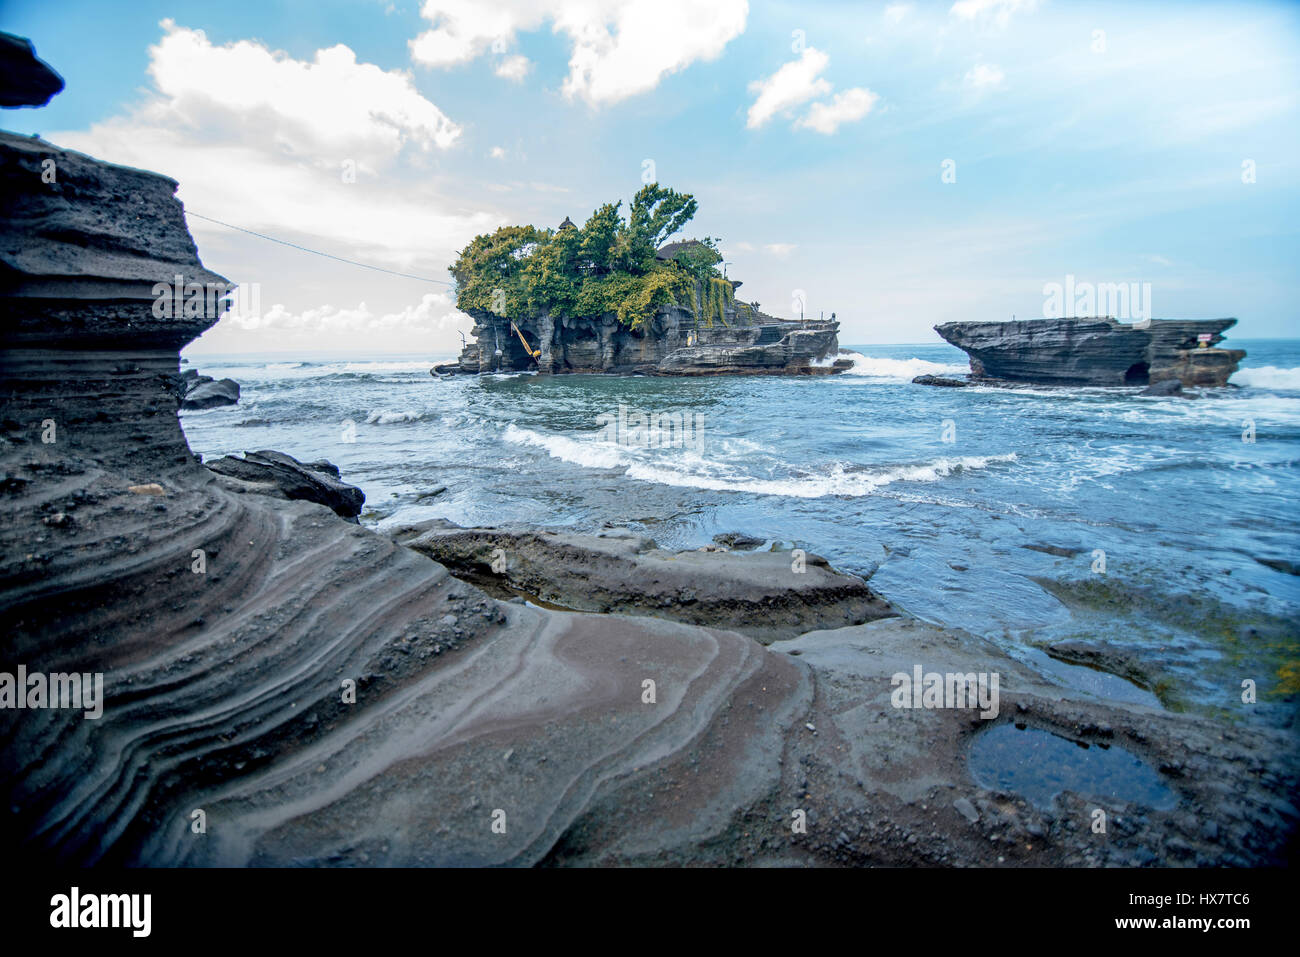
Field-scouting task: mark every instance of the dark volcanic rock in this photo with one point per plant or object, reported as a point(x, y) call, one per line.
point(939, 381)
point(620, 572)
point(1096, 351)
point(207, 393)
point(279, 474)
point(738, 541)
point(25, 80)
point(232, 632)
point(672, 343)
point(1165, 387)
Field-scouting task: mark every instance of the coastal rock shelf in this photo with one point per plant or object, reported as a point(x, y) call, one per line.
point(317, 694)
point(759, 594)
point(1097, 352)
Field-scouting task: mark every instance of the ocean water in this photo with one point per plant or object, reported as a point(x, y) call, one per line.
point(934, 492)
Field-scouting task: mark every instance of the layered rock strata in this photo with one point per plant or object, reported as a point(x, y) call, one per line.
point(672, 343)
point(766, 595)
point(274, 473)
point(1100, 352)
point(282, 687)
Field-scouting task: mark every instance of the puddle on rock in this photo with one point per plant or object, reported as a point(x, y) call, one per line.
point(1040, 765)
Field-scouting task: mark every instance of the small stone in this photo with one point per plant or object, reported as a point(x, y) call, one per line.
point(966, 809)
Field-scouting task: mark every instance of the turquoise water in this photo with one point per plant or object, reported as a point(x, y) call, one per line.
point(856, 468)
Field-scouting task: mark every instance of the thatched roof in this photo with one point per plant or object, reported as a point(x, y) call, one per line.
point(567, 224)
point(671, 250)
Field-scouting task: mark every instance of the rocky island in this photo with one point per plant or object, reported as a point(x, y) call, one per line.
point(1098, 351)
point(612, 296)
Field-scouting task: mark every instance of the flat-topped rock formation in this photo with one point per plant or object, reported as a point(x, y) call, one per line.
point(282, 687)
point(760, 594)
point(1101, 352)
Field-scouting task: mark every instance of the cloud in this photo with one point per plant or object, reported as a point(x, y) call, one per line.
point(780, 249)
point(792, 85)
point(427, 327)
point(984, 76)
point(497, 152)
point(307, 149)
point(895, 12)
point(433, 313)
point(797, 82)
point(847, 107)
point(513, 67)
point(997, 12)
point(329, 105)
point(618, 48)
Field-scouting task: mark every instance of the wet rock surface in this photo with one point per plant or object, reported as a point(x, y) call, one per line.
point(275, 473)
point(204, 392)
point(939, 380)
point(758, 594)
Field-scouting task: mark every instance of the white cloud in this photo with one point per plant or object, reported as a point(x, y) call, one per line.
point(846, 107)
point(513, 67)
point(426, 328)
point(330, 105)
point(997, 12)
point(895, 12)
point(619, 48)
point(268, 142)
point(984, 76)
point(497, 152)
point(795, 83)
point(433, 313)
point(780, 249)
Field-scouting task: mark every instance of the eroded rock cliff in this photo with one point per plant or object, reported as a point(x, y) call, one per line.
point(1103, 352)
point(672, 343)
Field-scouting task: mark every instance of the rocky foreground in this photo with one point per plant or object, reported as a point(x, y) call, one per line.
point(1097, 352)
point(284, 687)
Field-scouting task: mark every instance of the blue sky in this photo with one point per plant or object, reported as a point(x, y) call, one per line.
point(1103, 141)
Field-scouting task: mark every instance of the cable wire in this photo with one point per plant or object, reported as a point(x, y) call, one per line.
point(317, 252)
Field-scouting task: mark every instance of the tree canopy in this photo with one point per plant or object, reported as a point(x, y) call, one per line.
point(608, 265)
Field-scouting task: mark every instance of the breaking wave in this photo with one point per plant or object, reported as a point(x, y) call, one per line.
point(1268, 377)
point(899, 370)
point(386, 417)
point(688, 470)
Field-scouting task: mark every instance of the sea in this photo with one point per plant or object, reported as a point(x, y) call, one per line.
point(1164, 530)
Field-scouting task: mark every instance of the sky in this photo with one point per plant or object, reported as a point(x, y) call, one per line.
point(898, 164)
